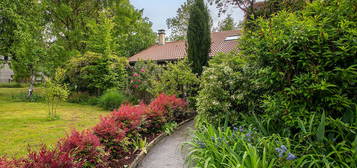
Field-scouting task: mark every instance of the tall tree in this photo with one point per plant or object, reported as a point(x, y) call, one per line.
point(21, 29)
point(132, 32)
point(178, 25)
point(198, 36)
point(227, 24)
point(256, 8)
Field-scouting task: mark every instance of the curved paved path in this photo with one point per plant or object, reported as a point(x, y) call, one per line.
point(167, 153)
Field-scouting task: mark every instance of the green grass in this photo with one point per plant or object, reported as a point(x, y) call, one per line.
point(25, 126)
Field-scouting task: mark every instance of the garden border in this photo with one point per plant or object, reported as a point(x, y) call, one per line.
point(142, 154)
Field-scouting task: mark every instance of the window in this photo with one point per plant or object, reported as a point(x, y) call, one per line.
point(230, 38)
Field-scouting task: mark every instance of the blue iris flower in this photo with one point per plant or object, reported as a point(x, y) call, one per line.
point(291, 156)
point(201, 144)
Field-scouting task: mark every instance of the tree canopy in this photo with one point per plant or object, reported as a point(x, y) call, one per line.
point(179, 24)
point(198, 36)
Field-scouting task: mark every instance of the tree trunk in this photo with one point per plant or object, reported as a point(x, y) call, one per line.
point(32, 82)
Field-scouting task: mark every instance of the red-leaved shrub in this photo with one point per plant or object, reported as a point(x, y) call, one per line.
point(8, 163)
point(130, 116)
point(115, 133)
point(110, 134)
point(115, 128)
point(169, 107)
point(84, 147)
point(46, 158)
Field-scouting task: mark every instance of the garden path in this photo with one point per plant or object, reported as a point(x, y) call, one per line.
point(168, 152)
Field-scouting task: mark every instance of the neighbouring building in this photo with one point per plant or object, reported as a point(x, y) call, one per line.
point(6, 74)
point(222, 42)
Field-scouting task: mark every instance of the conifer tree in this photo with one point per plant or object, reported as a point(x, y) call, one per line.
point(198, 37)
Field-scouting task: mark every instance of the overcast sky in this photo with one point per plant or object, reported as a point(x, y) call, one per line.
point(159, 10)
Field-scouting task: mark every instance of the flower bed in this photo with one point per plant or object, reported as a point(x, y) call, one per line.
point(113, 142)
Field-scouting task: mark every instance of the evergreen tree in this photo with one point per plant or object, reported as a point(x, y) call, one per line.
point(198, 37)
point(227, 24)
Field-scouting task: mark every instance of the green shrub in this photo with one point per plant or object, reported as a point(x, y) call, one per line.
point(82, 98)
point(176, 79)
point(11, 85)
point(238, 148)
point(95, 73)
point(111, 99)
point(55, 93)
point(296, 77)
point(141, 78)
point(23, 97)
point(219, 93)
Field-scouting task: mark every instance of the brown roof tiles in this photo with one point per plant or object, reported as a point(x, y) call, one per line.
point(177, 50)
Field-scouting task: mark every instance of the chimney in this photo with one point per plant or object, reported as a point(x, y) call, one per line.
point(161, 37)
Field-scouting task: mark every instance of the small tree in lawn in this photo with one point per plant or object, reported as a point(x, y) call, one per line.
point(56, 92)
point(198, 37)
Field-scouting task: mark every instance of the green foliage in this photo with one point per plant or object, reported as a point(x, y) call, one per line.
point(55, 92)
point(198, 36)
point(100, 38)
point(218, 95)
point(22, 97)
point(294, 76)
point(94, 73)
point(140, 144)
point(226, 147)
point(132, 31)
point(111, 99)
point(82, 98)
point(141, 80)
point(170, 127)
point(178, 25)
point(175, 79)
point(227, 24)
point(11, 85)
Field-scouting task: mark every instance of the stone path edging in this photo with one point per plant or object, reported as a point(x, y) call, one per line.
point(142, 154)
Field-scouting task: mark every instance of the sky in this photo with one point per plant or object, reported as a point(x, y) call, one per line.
point(159, 10)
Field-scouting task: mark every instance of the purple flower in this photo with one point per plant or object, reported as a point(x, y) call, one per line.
point(235, 128)
point(241, 129)
point(201, 144)
point(283, 148)
point(291, 157)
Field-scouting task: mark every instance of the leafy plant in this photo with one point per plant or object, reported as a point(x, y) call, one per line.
point(142, 74)
point(176, 79)
point(170, 127)
point(84, 147)
point(56, 92)
point(23, 97)
point(111, 99)
point(140, 144)
point(238, 147)
point(95, 73)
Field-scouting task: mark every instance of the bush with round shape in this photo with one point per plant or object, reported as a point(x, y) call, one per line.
point(111, 99)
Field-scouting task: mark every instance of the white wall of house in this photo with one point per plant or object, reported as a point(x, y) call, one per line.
point(6, 73)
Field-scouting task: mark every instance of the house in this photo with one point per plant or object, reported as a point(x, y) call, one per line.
point(6, 73)
point(162, 52)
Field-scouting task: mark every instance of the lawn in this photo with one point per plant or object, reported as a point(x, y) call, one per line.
point(25, 125)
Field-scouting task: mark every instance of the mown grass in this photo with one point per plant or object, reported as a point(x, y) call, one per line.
point(25, 126)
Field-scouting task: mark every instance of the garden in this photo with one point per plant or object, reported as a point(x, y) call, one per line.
point(286, 98)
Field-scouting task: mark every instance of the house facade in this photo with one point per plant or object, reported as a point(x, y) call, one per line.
point(221, 42)
point(6, 73)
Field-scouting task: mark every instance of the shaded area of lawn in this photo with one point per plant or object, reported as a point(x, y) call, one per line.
point(24, 125)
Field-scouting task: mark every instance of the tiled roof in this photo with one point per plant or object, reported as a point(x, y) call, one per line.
point(177, 50)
